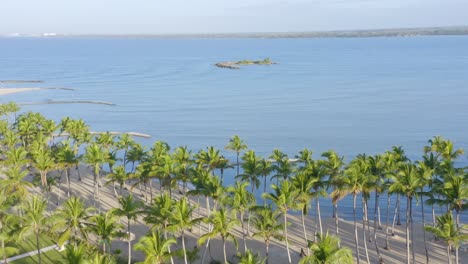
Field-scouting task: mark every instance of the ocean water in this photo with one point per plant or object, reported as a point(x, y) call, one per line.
point(356, 95)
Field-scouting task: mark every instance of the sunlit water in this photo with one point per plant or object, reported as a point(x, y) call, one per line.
point(357, 95)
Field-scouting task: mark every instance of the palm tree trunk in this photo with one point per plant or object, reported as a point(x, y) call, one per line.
point(67, 175)
point(304, 229)
point(398, 209)
point(433, 216)
point(224, 251)
point(408, 261)
point(169, 247)
point(456, 255)
point(387, 244)
point(267, 250)
point(375, 227)
point(424, 231)
point(104, 248)
point(412, 229)
point(237, 159)
point(129, 243)
point(286, 235)
point(337, 221)
point(243, 231)
point(395, 216)
point(449, 259)
point(183, 247)
point(4, 251)
point(38, 248)
point(318, 215)
point(364, 219)
point(366, 212)
point(355, 229)
point(264, 189)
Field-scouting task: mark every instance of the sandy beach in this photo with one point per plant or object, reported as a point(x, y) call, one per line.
point(6, 91)
point(278, 254)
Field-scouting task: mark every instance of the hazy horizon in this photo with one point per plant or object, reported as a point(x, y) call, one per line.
point(141, 17)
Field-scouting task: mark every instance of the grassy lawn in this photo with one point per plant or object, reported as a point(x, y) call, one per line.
point(49, 257)
point(29, 244)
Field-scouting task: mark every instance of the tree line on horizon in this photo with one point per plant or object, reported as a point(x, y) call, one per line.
point(157, 185)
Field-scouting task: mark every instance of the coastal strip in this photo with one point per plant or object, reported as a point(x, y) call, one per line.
point(68, 102)
point(21, 81)
point(6, 91)
point(135, 134)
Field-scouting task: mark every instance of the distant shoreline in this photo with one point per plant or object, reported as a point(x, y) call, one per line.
point(395, 32)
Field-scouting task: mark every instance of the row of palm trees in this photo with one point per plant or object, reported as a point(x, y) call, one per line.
point(34, 145)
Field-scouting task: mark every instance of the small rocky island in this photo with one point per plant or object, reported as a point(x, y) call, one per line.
point(235, 65)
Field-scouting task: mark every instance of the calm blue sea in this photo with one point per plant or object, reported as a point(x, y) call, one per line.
point(356, 95)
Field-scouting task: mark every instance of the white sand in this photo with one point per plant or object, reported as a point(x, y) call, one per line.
point(277, 249)
point(6, 91)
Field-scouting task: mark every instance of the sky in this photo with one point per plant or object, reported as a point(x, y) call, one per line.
point(223, 16)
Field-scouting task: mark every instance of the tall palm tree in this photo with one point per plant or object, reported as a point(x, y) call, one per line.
point(125, 142)
point(119, 176)
point(15, 185)
point(326, 250)
point(96, 156)
point(223, 224)
point(250, 258)
point(73, 221)
point(156, 247)
point(181, 220)
point(267, 226)
point(7, 220)
point(66, 158)
point(236, 144)
point(264, 170)
point(183, 158)
point(407, 183)
point(35, 219)
point(447, 230)
point(44, 162)
point(76, 254)
point(106, 226)
point(130, 208)
point(285, 197)
point(241, 200)
point(304, 184)
point(159, 214)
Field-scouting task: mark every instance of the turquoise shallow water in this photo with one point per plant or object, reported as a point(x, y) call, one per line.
point(351, 95)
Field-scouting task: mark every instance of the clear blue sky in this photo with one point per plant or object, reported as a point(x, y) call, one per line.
point(214, 16)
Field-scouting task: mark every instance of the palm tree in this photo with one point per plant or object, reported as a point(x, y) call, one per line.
point(407, 183)
point(35, 219)
point(15, 185)
point(455, 193)
point(304, 183)
point(236, 144)
point(447, 230)
point(223, 224)
point(181, 220)
point(125, 142)
point(7, 220)
point(183, 158)
point(98, 258)
point(353, 183)
point(130, 208)
point(156, 248)
point(159, 213)
point(135, 154)
point(73, 221)
point(285, 197)
point(119, 176)
point(96, 156)
point(264, 169)
point(241, 200)
point(65, 157)
point(326, 250)
point(267, 226)
point(250, 258)
point(43, 162)
point(76, 254)
point(106, 227)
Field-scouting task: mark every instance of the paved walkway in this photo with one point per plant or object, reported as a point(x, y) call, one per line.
point(29, 254)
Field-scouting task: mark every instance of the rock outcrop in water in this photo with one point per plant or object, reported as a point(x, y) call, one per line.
point(235, 65)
